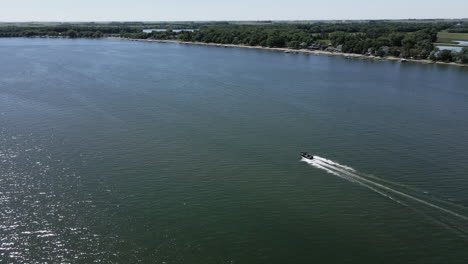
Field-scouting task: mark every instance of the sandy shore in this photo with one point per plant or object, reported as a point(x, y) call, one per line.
point(304, 51)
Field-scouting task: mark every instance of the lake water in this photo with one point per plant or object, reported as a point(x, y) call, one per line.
point(129, 152)
point(453, 48)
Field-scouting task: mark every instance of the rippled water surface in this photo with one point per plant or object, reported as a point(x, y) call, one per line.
point(125, 152)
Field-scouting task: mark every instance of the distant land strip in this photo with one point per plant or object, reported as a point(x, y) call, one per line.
point(426, 41)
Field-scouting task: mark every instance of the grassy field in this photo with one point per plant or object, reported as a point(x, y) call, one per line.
point(446, 37)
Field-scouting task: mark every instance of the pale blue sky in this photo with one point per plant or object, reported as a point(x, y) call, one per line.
point(159, 10)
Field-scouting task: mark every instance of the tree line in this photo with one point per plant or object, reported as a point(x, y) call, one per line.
point(400, 39)
point(459, 28)
point(409, 39)
point(83, 30)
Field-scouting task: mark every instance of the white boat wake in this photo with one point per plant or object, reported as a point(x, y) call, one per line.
point(449, 214)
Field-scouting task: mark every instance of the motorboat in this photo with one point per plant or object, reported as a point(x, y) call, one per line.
point(306, 155)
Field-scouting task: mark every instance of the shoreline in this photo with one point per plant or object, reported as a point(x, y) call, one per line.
point(304, 51)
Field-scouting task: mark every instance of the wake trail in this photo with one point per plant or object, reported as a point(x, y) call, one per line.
point(331, 171)
point(330, 162)
point(350, 174)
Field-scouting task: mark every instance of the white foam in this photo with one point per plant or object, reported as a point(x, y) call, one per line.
point(336, 173)
point(351, 175)
point(331, 162)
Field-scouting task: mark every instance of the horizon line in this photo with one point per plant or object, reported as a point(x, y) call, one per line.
point(216, 20)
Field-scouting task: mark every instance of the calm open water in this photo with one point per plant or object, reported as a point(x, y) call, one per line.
point(127, 152)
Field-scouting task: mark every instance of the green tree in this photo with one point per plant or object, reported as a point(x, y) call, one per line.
point(294, 44)
point(97, 34)
point(433, 55)
point(380, 53)
point(445, 55)
point(72, 33)
point(275, 40)
point(463, 55)
point(396, 38)
point(408, 44)
point(337, 38)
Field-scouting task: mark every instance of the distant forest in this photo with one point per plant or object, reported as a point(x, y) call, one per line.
point(405, 39)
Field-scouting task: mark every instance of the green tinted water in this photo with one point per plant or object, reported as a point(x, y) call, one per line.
point(133, 152)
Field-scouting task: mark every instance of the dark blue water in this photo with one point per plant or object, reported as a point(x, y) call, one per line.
point(127, 152)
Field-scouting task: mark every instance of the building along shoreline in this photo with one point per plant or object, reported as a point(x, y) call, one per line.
point(304, 51)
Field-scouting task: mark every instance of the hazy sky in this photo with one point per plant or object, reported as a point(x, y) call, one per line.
point(157, 10)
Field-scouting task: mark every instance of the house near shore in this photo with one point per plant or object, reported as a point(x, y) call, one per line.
point(338, 48)
point(385, 49)
point(314, 47)
point(317, 47)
